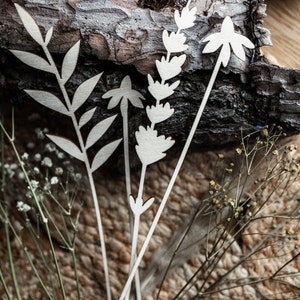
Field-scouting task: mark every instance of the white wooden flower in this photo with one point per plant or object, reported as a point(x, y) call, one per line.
point(227, 38)
point(151, 147)
point(187, 17)
point(138, 206)
point(175, 42)
point(159, 113)
point(160, 90)
point(170, 69)
point(124, 93)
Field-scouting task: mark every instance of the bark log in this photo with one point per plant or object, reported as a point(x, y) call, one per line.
point(119, 38)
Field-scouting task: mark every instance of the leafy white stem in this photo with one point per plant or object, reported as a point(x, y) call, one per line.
point(88, 169)
point(174, 176)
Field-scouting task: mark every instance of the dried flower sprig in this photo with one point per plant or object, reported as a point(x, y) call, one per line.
point(68, 108)
point(226, 38)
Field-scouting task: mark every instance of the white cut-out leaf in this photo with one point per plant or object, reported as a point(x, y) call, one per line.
point(70, 62)
point(98, 130)
point(104, 153)
point(49, 100)
point(86, 117)
point(66, 145)
point(83, 91)
point(48, 36)
point(32, 60)
point(30, 25)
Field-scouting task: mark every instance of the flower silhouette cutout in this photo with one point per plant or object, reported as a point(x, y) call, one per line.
point(227, 38)
point(159, 113)
point(187, 17)
point(160, 90)
point(170, 69)
point(151, 147)
point(124, 94)
point(138, 206)
point(175, 42)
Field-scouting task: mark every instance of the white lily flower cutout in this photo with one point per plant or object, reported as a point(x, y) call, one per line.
point(227, 38)
point(151, 147)
point(159, 113)
point(175, 42)
point(161, 90)
point(124, 93)
point(169, 69)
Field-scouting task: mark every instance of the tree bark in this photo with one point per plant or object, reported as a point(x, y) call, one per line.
point(119, 38)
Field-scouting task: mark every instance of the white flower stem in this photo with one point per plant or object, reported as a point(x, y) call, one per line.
point(135, 236)
point(173, 178)
point(133, 257)
point(124, 113)
point(88, 169)
point(133, 225)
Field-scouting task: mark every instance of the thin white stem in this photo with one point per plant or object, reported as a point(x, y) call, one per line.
point(124, 113)
point(135, 235)
point(132, 224)
point(174, 176)
point(134, 242)
point(88, 169)
point(142, 181)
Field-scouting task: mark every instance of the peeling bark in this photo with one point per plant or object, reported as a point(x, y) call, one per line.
point(121, 38)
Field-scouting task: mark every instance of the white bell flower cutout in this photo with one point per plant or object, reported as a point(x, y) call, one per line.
point(227, 38)
point(138, 206)
point(159, 113)
point(169, 69)
point(151, 147)
point(175, 42)
point(186, 19)
point(161, 90)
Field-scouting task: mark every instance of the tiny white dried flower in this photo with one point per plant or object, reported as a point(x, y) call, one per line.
point(25, 156)
point(21, 206)
point(34, 184)
point(40, 134)
point(28, 194)
point(21, 175)
point(77, 177)
point(37, 157)
point(54, 180)
point(59, 171)
point(47, 162)
point(50, 147)
point(60, 155)
point(36, 170)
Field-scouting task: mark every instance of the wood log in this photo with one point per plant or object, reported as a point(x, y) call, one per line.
point(121, 38)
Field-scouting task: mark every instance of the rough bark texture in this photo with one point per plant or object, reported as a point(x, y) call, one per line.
point(119, 38)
